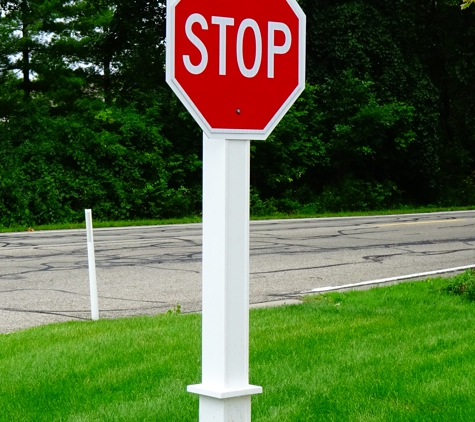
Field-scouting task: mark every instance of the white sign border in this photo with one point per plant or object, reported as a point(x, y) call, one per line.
point(193, 110)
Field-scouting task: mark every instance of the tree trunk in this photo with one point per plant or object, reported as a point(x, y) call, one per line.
point(25, 53)
point(107, 79)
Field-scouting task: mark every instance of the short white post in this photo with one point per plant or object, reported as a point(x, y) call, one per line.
point(225, 392)
point(92, 267)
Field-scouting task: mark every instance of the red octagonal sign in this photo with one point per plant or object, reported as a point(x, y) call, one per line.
point(237, 66)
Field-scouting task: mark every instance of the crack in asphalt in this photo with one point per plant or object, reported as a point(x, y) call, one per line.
point(84, 294)
point(380, 258)
point(269, 248)
point(33, 311)
point(300, 268)
point(67, 312)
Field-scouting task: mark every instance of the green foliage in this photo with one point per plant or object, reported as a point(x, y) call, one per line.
point(285, 163)
point(359, 147)
point(352, 195)
point(466, 3)
point(176, 310)
point(101, 157)
point(86, 119)
point(463, 285)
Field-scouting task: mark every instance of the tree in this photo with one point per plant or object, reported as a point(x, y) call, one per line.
point(86, 119)
point(28, 30)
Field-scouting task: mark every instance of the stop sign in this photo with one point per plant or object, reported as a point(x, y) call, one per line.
point(237, 66)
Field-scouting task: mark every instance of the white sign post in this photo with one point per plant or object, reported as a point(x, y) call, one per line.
point(225, 393)
point(92, 267)
point(238, 69)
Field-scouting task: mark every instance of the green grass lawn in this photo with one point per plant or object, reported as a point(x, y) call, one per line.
point(398, 353)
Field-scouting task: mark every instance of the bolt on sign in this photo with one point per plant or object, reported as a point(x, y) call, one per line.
point(237, 66)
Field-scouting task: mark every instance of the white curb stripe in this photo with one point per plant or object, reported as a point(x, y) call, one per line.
point(386, 280)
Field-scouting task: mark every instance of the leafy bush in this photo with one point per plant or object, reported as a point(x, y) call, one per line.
point(459, 192)
point(261, 207)
point(463, 285)
point(356, 195)
point(113, 160)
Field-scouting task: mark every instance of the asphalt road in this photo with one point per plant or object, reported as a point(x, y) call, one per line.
point(147, 270)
